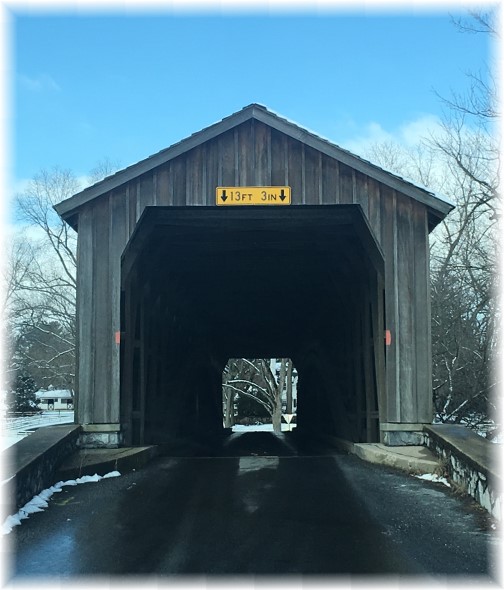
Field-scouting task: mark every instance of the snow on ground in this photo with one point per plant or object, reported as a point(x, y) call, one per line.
point(498, 438)
point(435, 478)
point(15, 429)
point(40, 502)
point(260, 427)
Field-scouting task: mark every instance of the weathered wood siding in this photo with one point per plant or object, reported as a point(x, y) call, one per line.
point(255, 154)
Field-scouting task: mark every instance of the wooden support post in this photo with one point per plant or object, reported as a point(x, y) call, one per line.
point(369, 384)
point(378, 318)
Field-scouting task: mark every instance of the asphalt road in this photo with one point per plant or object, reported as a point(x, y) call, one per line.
point(266, 505)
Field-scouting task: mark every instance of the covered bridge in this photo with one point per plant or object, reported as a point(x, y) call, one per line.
point(171, 285)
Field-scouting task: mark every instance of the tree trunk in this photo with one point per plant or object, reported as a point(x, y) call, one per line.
point(276, 417)
point(289, 388)
point(229, 415)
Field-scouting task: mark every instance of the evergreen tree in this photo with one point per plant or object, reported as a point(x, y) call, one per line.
point(22, 396)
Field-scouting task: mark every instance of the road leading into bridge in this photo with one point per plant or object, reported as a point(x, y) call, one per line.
point(261, 505)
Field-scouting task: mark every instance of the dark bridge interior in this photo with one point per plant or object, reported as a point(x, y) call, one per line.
point(203, 284)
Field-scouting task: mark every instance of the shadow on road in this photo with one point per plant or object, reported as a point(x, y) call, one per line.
point(239, 444)
point(253, 503)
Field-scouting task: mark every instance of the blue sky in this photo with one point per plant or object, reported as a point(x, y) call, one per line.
point(123, 87)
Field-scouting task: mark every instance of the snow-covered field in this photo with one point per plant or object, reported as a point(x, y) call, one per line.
point(15, 429)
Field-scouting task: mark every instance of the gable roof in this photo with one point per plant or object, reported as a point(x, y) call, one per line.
point(439, 205)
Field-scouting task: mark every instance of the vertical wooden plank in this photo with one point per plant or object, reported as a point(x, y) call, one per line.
point(286, 160)
point(346, 184)
point(367, 343)
point(164, 196)
point(85, 317)
point(303, 173)
point(422, 319)
point(388, 242)
point(127, 205)
point(146, 191)
point(374, 205)
point(246, 154)
point(130, 289)
point(378, 318)
point(262, 147)
point(155, 186)
point(212, 172)
point(193, 164)
point(311, 183)
point(319, 178)
point(227, 159)
point(361, 192)
point(132, 202)
point(279, 162)
point(406, 327)
point(357, 360)
point(138, 203)
point(202, 175)
point(295, 160)
point(236, 160)
point(178, 175)
point(103, 335)
point(330, 180)
point(195, 171)
point(144, 338)
point(118, 237)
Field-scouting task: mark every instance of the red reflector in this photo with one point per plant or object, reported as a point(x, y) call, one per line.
point(388, 338)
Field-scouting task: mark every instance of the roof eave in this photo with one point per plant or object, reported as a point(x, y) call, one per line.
point(146, 165)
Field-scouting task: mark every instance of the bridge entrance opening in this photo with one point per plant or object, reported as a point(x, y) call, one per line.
point(202, 285)
point(259, 394)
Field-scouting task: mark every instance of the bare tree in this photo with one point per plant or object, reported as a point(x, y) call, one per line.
point(103, 168)
point(478, 21)
point(465, 259)
point(40, 279)
point(261, 380)
point(461, 159)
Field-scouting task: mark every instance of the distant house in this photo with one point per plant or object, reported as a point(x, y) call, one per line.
point(55, 399)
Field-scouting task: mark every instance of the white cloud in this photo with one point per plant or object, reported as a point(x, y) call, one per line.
point(414, 131)
point(409, 134)
point(20, 186)
point(38, 83)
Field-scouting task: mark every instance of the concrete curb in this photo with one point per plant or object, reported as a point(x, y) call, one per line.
point(102, 461)
point(413, 459)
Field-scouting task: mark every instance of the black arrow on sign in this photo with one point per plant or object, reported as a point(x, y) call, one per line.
point(224, 196)
point(282, 196)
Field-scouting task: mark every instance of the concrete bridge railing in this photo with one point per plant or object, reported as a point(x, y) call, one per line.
point(470, 461)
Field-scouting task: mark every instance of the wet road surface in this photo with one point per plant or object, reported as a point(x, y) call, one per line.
point(265, 505)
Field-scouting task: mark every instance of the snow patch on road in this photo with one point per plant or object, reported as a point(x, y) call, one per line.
point(41, 501)
point(435, 478)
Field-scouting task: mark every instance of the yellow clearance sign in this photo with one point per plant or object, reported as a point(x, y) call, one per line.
point(253, 195)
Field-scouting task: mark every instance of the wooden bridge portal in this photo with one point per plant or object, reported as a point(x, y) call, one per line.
point(170, 286)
